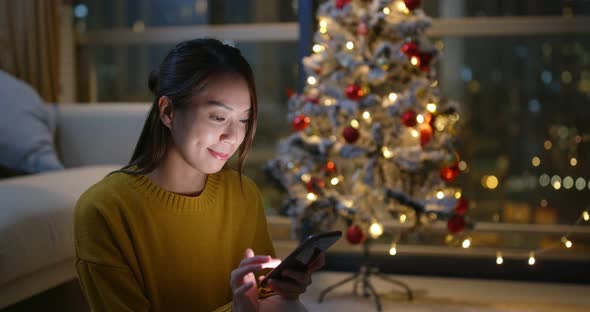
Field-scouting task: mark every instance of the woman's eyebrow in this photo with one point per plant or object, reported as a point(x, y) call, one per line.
point(223, 105)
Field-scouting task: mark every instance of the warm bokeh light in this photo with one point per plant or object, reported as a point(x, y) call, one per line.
point(311, 196)
point(305, 177)
point(311, 80)
point(354, 123)
point(544, 180)
point(536, 161)
point(547, 145)
point(376, 230)
point(462, 165)
point(531, 258)
point(440, 195)
point(392, 96)
point(350, 45)
point(491, 182)
point(573, 162)
point(393, 249)
point(466, 243)
point(568, 183)
point(386, 152)
point(580, 183)
point(403, 218)
point(366, 115)
point(334, 181)
point(431, 107)
point(499, 259)
point(420, 118)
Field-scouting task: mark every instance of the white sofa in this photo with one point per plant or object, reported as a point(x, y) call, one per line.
point(36, 212)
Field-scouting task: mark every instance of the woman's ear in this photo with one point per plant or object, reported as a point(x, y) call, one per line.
point(166, 111)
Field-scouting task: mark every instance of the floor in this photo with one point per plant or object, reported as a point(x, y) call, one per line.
point(430, 294)
point(449, 294)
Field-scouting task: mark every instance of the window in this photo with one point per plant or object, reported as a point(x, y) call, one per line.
point(521, 70)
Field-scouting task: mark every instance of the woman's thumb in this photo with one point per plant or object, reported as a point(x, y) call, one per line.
point(249, 253)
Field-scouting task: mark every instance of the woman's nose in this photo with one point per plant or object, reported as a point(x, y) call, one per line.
point(230, 134)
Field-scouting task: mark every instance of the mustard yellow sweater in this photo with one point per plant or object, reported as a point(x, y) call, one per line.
point(142, 248)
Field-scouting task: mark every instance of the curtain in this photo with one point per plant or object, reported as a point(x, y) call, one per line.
point(31, 45)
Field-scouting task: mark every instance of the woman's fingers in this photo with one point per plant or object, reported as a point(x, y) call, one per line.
point(242, 289)
point(255, 260)
point(318, 263)
point(303, 278)
point(287, 288)
point(271, 264)
point(237, 275)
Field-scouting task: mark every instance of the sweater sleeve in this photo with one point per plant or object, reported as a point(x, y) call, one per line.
point(107, 280)
point(110, 288)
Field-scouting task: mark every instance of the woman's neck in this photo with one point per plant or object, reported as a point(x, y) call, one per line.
point(175, 175)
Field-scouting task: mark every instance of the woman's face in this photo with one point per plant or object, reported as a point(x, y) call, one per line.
point(210, 130)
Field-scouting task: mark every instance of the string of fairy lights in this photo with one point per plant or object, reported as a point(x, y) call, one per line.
point(491, 182)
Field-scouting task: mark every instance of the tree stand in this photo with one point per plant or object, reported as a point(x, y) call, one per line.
point(363, 276)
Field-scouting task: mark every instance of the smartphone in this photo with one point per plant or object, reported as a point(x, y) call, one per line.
point(304, 254)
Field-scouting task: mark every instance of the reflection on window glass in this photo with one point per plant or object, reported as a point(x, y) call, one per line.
point(138, 14)
point(467, 8)
point(526, 139)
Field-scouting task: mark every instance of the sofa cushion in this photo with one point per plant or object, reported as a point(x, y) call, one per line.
point(27, 125)
point(113, 130)
point(36, 218)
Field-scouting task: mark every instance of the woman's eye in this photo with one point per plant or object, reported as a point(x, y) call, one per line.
point(245, 121)
point(217, 118)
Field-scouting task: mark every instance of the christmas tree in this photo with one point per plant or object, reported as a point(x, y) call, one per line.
point(373, 139)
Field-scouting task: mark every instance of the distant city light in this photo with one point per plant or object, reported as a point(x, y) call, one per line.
point(544, 180)
point(546, 77)
point(547, 144)
point(534, 106)
point(466, 74)
point(80, 11)
point(536, 161)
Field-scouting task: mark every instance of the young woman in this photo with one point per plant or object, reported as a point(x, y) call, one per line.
point(175, 230)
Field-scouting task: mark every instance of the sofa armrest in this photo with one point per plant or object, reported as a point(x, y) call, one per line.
point(92, 134)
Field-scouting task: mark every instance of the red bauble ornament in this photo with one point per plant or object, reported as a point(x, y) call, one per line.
point(410, 48)
point(462, 207)
point(449, 173)
point(409, 118)
point(412, 4)
point(355, 235)
point(300, 122)
point(350, 134)
point(425, 133)
point(290, 93)
point(362, 29)
point(456, 224)
point(314, 99)
point(341, 3)
point(424, 61)
point(315, 185)
point(354, 92)
point(330, 167)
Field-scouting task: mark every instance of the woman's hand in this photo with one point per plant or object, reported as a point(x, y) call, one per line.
point(295, 283)
point(243, 282)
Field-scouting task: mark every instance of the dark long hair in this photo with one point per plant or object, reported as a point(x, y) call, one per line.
point(181, 75)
